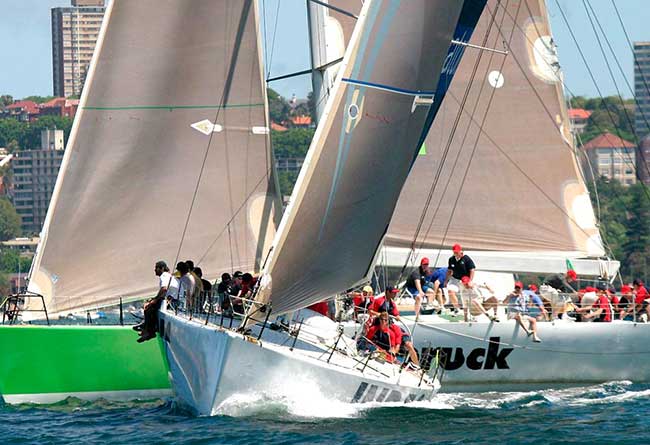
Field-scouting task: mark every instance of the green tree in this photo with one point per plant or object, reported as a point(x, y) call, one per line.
point(11, 130)
point(278, 107)
point(5, 100)
point(5, 286)
point(9, 220)
point(287, 180)
point(12, 261)
point(31, 138)
point(292, 143)
point(39, 99)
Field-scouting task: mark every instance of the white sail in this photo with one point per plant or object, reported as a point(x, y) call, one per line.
point(522, 191)
point(379, 111)
point(167, 100)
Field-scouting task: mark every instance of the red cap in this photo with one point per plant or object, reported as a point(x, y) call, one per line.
point(532, 287)
point(590, 289)
point(572, 274)
point(424, 261)
point(456, 248)
point(465, 279)
point(519, 284)
point(625, 289)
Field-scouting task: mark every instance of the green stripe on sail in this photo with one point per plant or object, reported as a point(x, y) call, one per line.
point(173, 107)
point(423, 150)
point(64, 359)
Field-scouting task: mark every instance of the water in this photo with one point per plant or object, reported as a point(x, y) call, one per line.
point(613, 412)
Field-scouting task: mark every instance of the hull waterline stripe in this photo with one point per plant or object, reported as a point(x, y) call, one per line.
point(378, 86)
point(53, 397)
point(174, 107)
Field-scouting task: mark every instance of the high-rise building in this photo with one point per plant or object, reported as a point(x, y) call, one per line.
point(642, 112)
point(74, 34)
point(34, 176)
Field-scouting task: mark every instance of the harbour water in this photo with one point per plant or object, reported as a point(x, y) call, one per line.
point(613, 412)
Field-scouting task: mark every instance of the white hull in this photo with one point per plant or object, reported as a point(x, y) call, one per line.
point(209, 365)
point(484, 356)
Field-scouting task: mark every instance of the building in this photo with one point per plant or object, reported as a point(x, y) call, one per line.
point(23, 110)
point(60, 106)
point(26, 246)
point(642, 111)
point(579, 119)
point(74, 33)
point(289, 164)
point(642, 88)
point(34, 176)
point(612, 157)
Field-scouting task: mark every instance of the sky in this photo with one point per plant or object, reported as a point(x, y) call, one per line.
point(26, 53)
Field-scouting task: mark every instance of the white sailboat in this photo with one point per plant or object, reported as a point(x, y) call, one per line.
point(523, 207)
point(381, 106)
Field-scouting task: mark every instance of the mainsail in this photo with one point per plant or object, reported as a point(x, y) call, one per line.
point(510, 181)
point(175, 93)
point(381, 106)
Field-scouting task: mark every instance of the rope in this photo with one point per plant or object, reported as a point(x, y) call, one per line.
point(600, 94)
point(445, 152)
point(474, 148)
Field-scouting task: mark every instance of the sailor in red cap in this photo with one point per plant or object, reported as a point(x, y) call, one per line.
point(518, 310)
point(418, 285)
point(460, 265)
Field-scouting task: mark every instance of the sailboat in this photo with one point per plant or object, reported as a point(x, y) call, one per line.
point(383, 101)
point(511, 193)
point(126, 186)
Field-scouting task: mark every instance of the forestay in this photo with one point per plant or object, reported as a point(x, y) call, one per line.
point(523, 191)
point(163, 71)
point(372, 127)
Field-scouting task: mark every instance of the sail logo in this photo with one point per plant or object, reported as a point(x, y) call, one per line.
point(477, 359)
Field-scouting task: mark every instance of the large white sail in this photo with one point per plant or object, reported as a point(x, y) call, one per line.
point(380, 109)
point(523, 191)
point(175, 92)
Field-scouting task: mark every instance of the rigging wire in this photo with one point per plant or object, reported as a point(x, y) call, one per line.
point(446, 150)
point(275, 29)
point(609, 69)
point(478, 135)
point(221, 104)
point(629, 42)
point(591, 74)
point(620, 68)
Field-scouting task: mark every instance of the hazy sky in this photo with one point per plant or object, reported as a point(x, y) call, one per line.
point(26, 53)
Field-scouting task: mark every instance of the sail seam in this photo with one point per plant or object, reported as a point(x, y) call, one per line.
point(174, 107)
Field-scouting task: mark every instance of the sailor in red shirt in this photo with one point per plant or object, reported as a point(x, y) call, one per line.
point(386, 303)
point(641, 297)
point(404, 344)
point(383, 337)
point(600, 310)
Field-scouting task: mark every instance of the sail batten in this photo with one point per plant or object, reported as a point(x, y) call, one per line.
point(178, 97)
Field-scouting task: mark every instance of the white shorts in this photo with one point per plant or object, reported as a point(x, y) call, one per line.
point(453, 284)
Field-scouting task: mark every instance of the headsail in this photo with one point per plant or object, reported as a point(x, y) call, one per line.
point(523, 191)
point(163, 71)
point(372, 127)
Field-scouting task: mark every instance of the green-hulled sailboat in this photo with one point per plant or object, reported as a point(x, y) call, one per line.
point(127, 184)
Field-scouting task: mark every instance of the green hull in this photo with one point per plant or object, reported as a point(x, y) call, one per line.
point(45, 364)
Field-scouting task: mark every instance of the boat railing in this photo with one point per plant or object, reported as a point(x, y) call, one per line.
point(14, 304)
